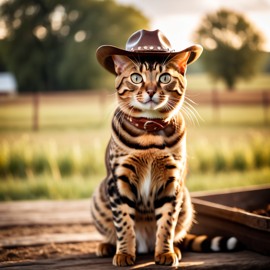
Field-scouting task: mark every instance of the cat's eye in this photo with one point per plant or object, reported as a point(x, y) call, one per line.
point(165, 78)
point(136, 78)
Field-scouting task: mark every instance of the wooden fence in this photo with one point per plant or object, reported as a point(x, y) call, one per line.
point(215, 99)
point(218, 99)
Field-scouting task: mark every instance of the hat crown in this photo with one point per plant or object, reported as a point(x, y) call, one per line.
point(144, 40)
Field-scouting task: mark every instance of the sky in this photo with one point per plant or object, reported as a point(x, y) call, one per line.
point(178, 19)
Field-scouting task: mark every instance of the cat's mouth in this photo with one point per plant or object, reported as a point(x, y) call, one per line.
point(151, 101)
point(154, 104)
point(151, 104)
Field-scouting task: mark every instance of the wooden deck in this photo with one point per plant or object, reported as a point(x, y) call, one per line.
point(35, 225)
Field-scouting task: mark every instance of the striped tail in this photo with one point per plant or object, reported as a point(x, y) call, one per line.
point(204, 243)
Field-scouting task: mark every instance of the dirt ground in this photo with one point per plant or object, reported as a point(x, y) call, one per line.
point(51, 250)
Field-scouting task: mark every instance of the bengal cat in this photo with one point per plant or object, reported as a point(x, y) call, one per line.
point(143, 204)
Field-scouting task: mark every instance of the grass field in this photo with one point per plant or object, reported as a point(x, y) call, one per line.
point(65, 158)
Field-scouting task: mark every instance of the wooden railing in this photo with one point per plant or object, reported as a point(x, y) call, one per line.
point(218, 99)
point(215, 99)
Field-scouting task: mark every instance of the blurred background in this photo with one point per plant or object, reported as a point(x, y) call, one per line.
point(56, 103)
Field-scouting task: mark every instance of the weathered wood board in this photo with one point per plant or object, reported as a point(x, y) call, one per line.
point(44, 212)
point(241, 260)
point(229, 214)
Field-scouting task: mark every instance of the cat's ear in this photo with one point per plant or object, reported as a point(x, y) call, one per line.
point(120, 62)
point(180, 60)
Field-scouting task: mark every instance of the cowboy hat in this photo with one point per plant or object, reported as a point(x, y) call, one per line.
point(144, 43)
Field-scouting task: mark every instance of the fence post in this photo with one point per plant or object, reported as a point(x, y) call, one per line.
point(265, 103)
point(216, 107)
point(35, 126)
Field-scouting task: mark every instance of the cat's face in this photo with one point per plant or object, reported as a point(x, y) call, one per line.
point(150, 89)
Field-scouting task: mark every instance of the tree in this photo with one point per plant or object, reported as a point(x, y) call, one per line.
point(232, 46)
point(50, 45)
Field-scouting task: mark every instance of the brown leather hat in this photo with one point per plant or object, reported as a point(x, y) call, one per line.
point(144, 43)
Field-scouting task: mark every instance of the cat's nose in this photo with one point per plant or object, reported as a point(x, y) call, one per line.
point(151, 91)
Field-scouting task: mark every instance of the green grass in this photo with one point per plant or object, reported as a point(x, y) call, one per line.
point(77, 186)
point(69, 164)
point(47, 187)
point(236, 149)
point(209, 149)
point(227, 180)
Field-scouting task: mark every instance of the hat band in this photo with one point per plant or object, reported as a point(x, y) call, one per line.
point(150, 48)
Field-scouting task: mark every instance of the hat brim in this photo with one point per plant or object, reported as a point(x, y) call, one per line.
point(104, 55)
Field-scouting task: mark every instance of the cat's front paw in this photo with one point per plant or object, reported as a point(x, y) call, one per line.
point(178, 253)
point(105, 250)
point(123, 260)
point(168, 258)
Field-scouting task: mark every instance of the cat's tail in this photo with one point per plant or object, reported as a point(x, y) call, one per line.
point(204, 243)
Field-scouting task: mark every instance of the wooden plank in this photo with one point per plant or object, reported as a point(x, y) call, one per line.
point(232, 214)
point(44, 212)
point(32, 240)
point(241, 260)
point(247, 198)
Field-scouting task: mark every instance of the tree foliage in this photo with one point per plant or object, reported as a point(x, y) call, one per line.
point(232, 46)
point(50, 45)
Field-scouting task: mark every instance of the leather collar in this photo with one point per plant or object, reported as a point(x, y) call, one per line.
point(147, 124)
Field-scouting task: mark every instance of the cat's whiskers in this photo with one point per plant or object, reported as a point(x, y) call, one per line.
point(194, 116)
point(112, 94)
point(170, 106)
point(130, 112)
point(118, 114)
point(189, 111)
point(188, 102)
point(188, 115)
point(178, 102)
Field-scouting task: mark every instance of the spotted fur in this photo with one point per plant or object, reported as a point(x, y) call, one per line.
point(143, 204)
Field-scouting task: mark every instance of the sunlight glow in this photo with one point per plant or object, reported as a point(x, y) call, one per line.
point(3, 1)
point(40, 32)
point(64, 31)
point(80, 36)
point(180, 19)
point(57, 17)
point(181, 264)
point(17, 23)
point(3, 30)
point(73, 15)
